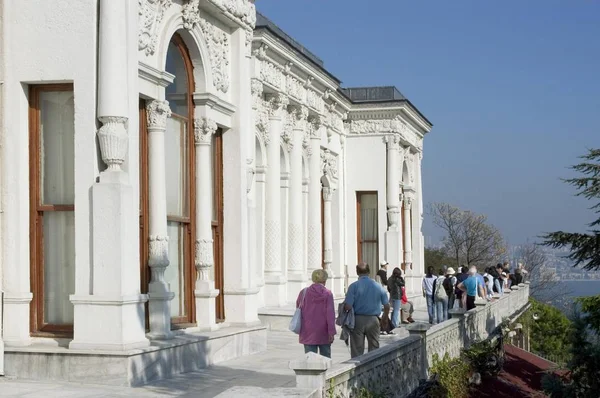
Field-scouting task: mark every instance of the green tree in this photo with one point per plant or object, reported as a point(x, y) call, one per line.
point(584, 247)
point(436, 258)
point(550, 330)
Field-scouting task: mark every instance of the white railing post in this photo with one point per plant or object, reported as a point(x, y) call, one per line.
point(311, 372)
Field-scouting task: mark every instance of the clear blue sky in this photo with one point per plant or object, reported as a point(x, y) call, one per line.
point(512, 88)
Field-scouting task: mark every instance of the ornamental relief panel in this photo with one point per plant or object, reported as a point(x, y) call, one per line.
point(382, 126)
point(315, 101)
point(151, 14)
point(295, 89)
point(273, 75)
point(217, 41)
point(329, 163)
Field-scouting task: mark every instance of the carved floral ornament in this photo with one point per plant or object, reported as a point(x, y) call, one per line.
point(151, 14)
point(158, 112)
point(204, 128)
point(329, 164)
point(384, 126)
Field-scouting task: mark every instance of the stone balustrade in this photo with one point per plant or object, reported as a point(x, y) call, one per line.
point(399, 366)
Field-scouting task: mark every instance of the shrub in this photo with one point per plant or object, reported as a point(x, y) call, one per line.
point(452, 375)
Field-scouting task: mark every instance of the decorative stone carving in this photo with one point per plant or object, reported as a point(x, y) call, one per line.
point(383, 126)
point(243, 10)
point(314, 124)
point(112, 137)
point(315, 101)
point(306, 146)
point(158, 112)
point(217, 42)
point(203, 259)
point(392, 141)
point(249, 38)
point(261, 52)
point(295, 89)
point(262, 121)
point(298, 116)
point(250, 173)
point(272, 74)
point(329, 163)
point(204, 128)
point(407, 203)
point(286, 135)
point(151, 14)
point(158, 255)
point(277, 103)
point(327, 194)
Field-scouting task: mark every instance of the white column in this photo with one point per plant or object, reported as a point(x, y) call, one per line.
point(305, 183)
point(260, 187)
point(275, 293)
point(419, 215)
point(314, 198)
point(159, 296)
point(205, 291)
point(408, 233)
point(327, 243)
point(112, 317)
point(296, 273)
point(393, 234)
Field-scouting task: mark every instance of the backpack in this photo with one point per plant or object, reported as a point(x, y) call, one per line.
point(440, 293)
point(448, 286)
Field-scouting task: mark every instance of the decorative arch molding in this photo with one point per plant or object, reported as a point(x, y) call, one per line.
point(196, 47)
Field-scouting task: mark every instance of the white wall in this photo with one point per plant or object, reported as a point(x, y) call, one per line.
point(46, 42)
point(365, 171)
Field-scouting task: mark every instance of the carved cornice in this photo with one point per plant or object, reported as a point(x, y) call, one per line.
point(151, 14)
point(244, 11)
point(385, 126)
point(158, 112)
point(204, 128)
point(217, 42)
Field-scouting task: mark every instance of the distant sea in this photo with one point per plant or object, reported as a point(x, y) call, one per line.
point(580, 288)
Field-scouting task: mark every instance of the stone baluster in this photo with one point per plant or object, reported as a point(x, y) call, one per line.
point(205, 292)
point(274, 278)
point(159, 305)
point(314, 197)
point(296, 273)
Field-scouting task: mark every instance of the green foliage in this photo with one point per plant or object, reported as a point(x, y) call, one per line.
point(583, 380)
point(484, 357)
point(549, 333)
point(453, 375)
point(364, 393)
point(590, 307)
point(584, 248)
point(436, 258)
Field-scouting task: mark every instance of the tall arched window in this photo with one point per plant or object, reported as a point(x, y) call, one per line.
point(180, 187)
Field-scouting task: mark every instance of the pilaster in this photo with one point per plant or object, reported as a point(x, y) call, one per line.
point(159, 296)
point(314, 197)
point(274, 278)
point(296, 274)
point(104, 319)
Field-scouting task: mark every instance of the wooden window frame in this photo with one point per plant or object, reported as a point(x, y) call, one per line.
point(36, 214)
point(217, 225)
point(359, 240)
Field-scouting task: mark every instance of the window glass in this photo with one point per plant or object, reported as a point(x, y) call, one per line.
point(175, 272)
point(57, 153)
point(176, 167)
point(177, 92)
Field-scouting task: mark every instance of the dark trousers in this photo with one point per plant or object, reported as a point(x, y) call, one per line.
point(470, 302)
point(365, 326)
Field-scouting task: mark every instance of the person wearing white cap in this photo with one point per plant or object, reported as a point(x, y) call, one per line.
point(382, 273)
point(449, 286)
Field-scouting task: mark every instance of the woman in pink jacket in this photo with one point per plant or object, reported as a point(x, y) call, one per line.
point(318, 315)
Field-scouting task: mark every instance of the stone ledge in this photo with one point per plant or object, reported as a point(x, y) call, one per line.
point(186, 352)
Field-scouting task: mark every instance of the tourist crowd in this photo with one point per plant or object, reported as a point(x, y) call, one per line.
point(365, 312)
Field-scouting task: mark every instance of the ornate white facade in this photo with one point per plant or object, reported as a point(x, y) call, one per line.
point(210, 163)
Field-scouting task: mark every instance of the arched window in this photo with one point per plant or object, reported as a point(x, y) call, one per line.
point(180, 186)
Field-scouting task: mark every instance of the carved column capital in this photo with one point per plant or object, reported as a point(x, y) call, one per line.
point(407, 202)
point(204, 128)
point(314, 124)
point(157, 114)
point(392, 141)
point(328, 194)
point(277, 103)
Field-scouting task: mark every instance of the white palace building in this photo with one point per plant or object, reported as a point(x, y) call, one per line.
point(172, 170)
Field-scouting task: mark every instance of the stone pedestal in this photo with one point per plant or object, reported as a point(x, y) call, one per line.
point(311, 371)
point(112, 317)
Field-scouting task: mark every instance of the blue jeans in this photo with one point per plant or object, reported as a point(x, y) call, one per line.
point(396, 313)
point(451, 302)
point(430, 308)
point(323, 349)
point(498, 286)
point(441, 310)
